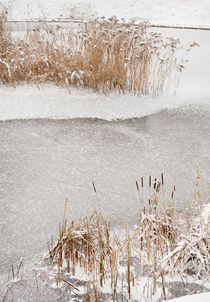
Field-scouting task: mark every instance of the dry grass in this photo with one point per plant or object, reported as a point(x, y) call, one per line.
point(161, 245)
point(103, 55)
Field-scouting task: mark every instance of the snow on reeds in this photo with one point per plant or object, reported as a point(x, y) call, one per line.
point(102, 55)
point(162, 245)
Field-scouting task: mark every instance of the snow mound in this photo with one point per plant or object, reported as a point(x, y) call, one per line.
point(204, 297)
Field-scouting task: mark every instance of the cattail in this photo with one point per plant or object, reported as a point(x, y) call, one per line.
point(94, 188)
point(155, 182)
point(142, 182)
point(162, 179)
point(137, 186)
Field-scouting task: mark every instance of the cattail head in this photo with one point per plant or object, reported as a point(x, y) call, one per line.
point(150, 181)
point(162, 182)
point(94, 187)
point(142, 182)
point(137, 186)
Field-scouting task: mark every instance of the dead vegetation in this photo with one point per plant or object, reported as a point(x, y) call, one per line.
point(103, 55)
point(92, 262)
point(161, 245)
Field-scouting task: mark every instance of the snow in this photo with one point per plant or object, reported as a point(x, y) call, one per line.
point(182, 12)
point(206, 213)
point(204, 297)
point(27, 102)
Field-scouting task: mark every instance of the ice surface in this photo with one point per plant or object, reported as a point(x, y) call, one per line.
point(44, 161)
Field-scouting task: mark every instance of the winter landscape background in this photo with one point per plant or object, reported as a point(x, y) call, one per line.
point(54, 143)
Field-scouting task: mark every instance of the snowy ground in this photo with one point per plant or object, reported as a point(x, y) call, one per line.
point(182, 12)
point(37, 283)
point(204, 297)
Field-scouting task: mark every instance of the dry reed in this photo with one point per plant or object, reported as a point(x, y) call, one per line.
point(102, 55)
point(159, 242)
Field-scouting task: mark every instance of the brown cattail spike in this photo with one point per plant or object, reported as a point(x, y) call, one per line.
point(137, 186)
point(94, 187)
point(158, 187)
point(155, 182)
point(150, 181)
point(162, 179)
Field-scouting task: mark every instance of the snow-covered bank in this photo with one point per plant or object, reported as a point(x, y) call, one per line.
point(37, 279)
point(204, 297)
point(37, 283)
point(26, 102)
point(191, 12)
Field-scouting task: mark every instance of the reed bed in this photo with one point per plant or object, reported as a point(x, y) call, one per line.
point(103, 55)
point(162, 245)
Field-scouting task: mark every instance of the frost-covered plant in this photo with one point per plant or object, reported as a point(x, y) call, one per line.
point(159, 246)
point(191, 254)
point(103, 55)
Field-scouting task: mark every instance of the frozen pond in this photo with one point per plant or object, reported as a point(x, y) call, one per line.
point(53, 144)
point(45, 161)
